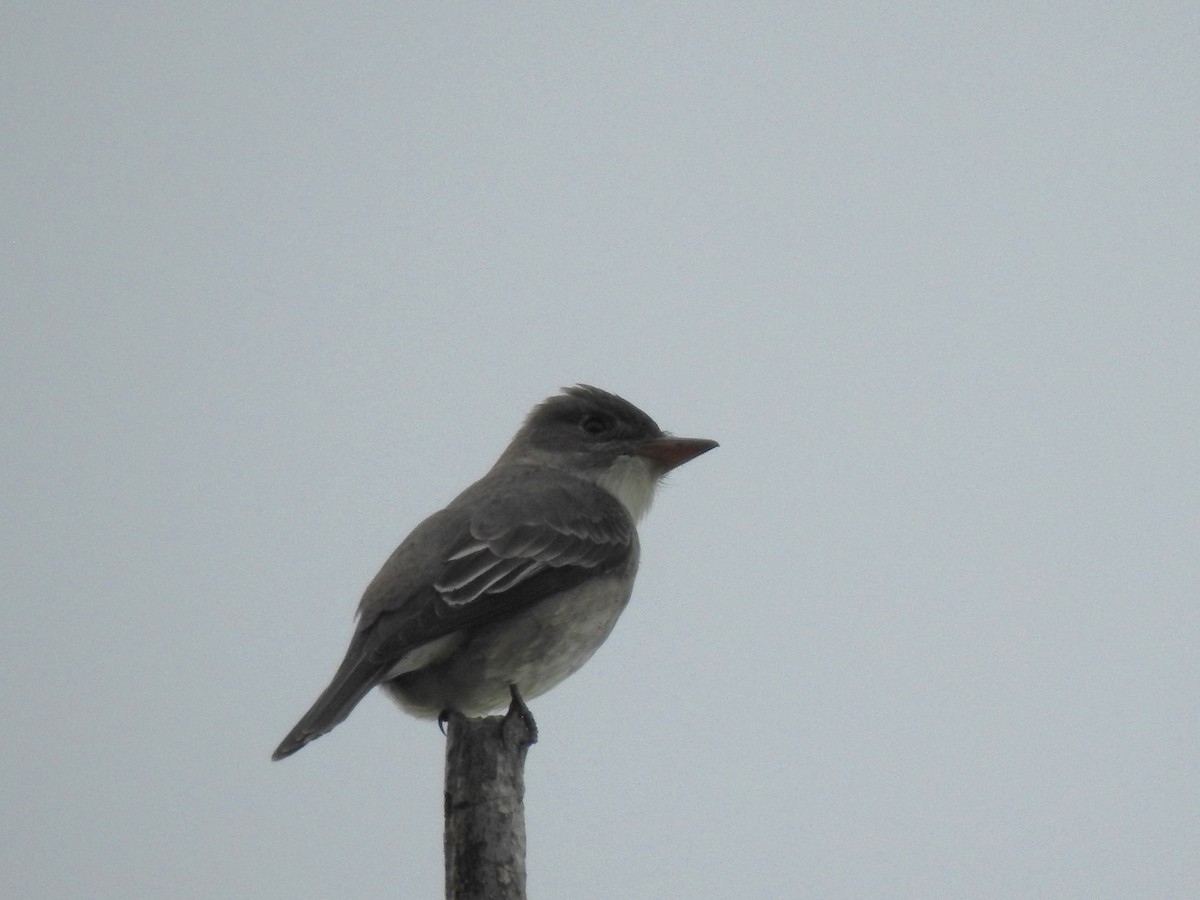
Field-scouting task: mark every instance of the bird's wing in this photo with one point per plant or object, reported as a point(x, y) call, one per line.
point(500, 548)
point(511, 543)
point(518, 544)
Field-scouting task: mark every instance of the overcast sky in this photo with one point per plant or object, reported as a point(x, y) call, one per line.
point(280, 279)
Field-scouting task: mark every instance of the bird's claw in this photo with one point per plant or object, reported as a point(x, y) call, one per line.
point(518, 709)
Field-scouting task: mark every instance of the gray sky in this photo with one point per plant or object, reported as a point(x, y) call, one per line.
point(279, 282)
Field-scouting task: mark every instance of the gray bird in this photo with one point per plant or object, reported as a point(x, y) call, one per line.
point(515, 584)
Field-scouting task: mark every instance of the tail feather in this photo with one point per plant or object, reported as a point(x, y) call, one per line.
point(354, 679)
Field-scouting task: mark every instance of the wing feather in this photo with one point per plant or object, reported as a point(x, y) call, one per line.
point(510, 542)
point(501, 548)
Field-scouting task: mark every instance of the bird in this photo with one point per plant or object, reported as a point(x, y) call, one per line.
point(515, 584)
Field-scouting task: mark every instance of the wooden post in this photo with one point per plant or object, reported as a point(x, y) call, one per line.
point(485, 804)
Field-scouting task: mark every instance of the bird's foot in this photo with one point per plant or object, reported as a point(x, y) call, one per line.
point(518, 710)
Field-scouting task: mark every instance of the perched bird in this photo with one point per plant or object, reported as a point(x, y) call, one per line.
point(513, 586)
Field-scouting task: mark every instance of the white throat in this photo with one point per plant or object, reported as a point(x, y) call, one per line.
point(630, 480)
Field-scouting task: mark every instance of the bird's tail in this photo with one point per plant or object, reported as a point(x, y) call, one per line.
point(354, 679)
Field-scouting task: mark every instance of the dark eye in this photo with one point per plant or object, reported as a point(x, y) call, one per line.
point(594, 424)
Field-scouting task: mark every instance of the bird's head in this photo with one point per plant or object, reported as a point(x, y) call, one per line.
point(603, 438)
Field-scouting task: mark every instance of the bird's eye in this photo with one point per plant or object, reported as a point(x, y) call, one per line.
point(594, 424)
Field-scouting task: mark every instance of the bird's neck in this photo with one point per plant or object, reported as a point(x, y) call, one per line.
point(630, 480)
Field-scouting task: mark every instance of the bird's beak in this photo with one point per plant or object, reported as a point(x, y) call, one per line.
point(670, 452)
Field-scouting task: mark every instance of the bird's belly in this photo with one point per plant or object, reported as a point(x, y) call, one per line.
point(553, 640)
point(534, 649)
